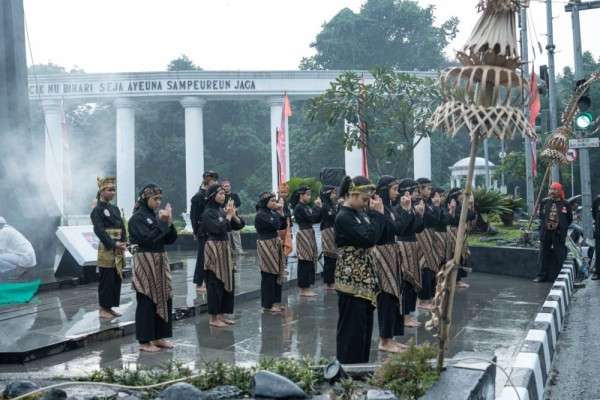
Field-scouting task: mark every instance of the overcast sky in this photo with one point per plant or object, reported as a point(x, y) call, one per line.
point(144, 35)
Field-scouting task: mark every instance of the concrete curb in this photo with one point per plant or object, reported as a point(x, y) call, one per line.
point(531, 368)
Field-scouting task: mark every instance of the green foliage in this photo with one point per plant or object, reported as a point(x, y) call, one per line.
point(305, 372)
point(348, 387)
point(183, 63)
point(315, 186)
point(513, 203)
point(301, 371)
point(216, 373)
point(488, 202)
point(409, 374)
point(394, 108)
point(140, 376)
point(387, 33)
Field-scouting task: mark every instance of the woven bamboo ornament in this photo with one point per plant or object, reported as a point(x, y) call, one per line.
point(484, 98)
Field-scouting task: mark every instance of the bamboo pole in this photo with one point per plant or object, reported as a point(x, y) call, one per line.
point(539, 196)
point(446, 317)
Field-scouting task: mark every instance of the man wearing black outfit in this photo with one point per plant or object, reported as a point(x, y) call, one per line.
point(234, 236)
point(555, 218)
point(198, 203)
point(596, 215)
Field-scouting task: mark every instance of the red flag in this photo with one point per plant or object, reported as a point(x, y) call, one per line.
point(535, 106)
point(281, 140)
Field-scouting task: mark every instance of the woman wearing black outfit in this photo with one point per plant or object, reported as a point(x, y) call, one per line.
point(306, 243)
point(151, 229)
point(387, 268)
point(358, 226)
point(454, 202)
point(433, 240)
point(218, 220)
point(411, 258)
point(269, 221)
point(109, 227)
point(328, 211)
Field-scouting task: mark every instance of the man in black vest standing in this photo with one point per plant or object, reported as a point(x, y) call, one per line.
point(196, 210)
point(555, 218)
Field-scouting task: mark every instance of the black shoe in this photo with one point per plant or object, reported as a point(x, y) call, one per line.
point(595, 277)
point(538, 279)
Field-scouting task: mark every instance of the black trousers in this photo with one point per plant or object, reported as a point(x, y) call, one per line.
point(329, 270)
point(270, 290)
point(428, 281)
point(552, 257)
point(409, 298)
point(148, 325)
point(109, 288)
point(199, 274)
point(461, 273)
point(306, 274)
point(354, 329)
point(219, 300)
point(389, 316)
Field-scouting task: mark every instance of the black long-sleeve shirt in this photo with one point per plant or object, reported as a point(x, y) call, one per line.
point(328, 212)
point(395, 224)
point(358, 229)
point(106, 216)
point(596, 215)
point(268, 223)
point(150, 233)
point(236, 199)
point(413, 226)
point(198, 204)
point(435, 217)
point(215, 223)
point(453, 221)
point(306, 216)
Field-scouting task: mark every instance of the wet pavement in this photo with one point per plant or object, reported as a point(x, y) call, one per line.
point(576, 363)
point(53, 317)
point(493, 315)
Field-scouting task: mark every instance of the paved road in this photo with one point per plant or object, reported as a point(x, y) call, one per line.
point(576, 365)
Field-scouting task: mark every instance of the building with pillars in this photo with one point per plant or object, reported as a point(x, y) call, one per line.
point(192, 89)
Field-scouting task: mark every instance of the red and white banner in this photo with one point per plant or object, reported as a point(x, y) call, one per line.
point(281, 141)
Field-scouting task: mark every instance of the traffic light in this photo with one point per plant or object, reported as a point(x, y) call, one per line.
point(585, 118)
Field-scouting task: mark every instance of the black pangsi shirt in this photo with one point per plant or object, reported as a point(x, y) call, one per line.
point(215, 223)
point(306, 216)
point(395, 224)
point(413, 226)
point(328, 213)
point(268, 223)
point(150, 233)
point(107, 216)
point(198, 204)
point(435, 217)
point(358, 229)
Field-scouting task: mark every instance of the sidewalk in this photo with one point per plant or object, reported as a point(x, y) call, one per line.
point(575, 369)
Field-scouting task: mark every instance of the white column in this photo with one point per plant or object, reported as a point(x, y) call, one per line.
point(353, 157)
point(276, 104)
point(54, 151)
point(194, 144)
point(125, 154)
point(422, 157)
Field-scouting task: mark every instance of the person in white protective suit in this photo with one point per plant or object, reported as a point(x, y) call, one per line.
point(16, 253)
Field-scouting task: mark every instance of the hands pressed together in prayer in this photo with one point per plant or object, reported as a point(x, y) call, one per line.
point(166, 215)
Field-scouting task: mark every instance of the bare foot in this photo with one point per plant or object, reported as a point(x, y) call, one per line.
point(411, 323)
point(163, 343)
point(228, 321)
point(462, 285)
point(201, 289)
point(113, 312)
point(218, 324)
point(330, 287)
point(401, 347)
point(425, 306)
point(307, 293)
point(106, 314)
point(149, 348)
point(388, 348)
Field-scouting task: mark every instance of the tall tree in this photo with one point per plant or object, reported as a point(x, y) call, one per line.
point(397, 34)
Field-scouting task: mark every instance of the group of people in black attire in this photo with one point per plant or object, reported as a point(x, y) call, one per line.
point(382, 246)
